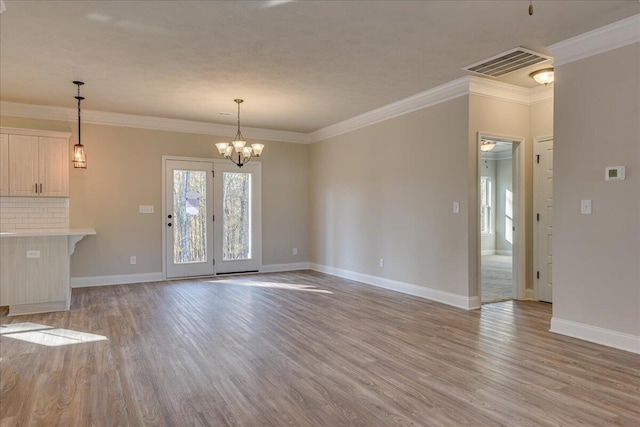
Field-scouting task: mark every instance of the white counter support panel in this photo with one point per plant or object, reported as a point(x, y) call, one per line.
point(34, 269)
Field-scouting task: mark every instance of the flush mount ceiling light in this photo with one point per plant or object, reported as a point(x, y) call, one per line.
point(79, 156)
point(243, 153)
point(487, 145)
point(544, 76)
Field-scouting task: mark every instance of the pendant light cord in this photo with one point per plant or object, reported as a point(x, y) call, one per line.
point(79, 98)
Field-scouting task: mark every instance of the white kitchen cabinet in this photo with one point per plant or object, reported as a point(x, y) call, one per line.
point(38, 163)
point(4, 165)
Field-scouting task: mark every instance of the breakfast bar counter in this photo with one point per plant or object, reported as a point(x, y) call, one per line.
point(34, 268)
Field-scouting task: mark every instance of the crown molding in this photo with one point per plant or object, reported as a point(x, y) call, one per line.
point(454, 89)
point(600, 40)
point(442, 93)
point(44, 112)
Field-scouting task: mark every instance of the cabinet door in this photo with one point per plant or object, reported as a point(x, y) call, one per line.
point(4, 165)
point(53, 159)
point(23, 165)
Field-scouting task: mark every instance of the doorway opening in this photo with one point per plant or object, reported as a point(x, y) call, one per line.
point(500, 218)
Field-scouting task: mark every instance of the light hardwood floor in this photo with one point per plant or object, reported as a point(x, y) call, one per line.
point(303, 349)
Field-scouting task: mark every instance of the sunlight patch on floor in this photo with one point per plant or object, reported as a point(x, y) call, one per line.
point(274, 285)
point(47, 335)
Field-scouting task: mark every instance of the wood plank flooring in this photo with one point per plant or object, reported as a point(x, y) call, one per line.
point(303, 349)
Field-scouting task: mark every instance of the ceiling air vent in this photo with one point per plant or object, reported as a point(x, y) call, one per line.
point(507, 62)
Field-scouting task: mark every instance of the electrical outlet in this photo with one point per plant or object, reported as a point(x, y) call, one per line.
point(456, 207)
point(132, 260)
point(146, 209)
point(295, 251)
point(33, 254)
point(585, 207)
point(381, 262)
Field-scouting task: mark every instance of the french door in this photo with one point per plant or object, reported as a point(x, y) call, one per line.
point(188, 218)
point(212, 217)
point(237, 225)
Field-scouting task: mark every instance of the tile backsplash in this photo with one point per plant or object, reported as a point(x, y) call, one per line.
point(33, 213)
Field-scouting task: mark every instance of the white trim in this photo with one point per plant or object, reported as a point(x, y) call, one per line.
point(35, 132)
point(460, 301)
point(118, 279)
point(600, 40)
point(529, 295)
point(39, 307)
point(486, 252)
point(294, 266)
point(596, 335)
point(508, 92)
point(451, 90)
point(14, 109)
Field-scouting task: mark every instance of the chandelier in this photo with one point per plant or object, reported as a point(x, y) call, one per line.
point(243, 153)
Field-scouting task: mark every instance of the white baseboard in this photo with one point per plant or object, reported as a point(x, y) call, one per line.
point(448, 298)
point(596, 335)
point(119, 279)
point(485, 252)
point(529, 295)
point(501, 252)
point(274, 268)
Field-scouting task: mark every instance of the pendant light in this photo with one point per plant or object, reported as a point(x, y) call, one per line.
point(79, 156)
point(243, 153)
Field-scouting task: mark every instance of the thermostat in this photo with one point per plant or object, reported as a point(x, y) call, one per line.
point(614, 173)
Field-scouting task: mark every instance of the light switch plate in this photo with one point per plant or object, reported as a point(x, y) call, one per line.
point(585, 207)
point(33, 254)
point(147, 209)
point(456, 207)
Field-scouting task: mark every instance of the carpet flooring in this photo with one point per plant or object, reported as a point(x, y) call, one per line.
point(497, 278)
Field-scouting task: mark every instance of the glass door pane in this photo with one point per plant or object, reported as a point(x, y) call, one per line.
point(188, 218)
point(236, 216)
point(189, 209)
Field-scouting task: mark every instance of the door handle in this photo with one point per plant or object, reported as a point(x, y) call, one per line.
point(169, 216)
point(169, 224)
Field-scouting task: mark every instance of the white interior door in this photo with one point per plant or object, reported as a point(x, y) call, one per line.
point(188, 218)
point(543, 206)
point(238, 238)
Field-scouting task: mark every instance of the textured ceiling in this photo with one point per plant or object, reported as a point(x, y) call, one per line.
point(299, 65)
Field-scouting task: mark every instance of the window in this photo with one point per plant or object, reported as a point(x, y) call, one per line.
point(485, 205)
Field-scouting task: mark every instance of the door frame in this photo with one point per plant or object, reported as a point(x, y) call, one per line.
point(536, 242)
point(164, 204)
point(519, 199)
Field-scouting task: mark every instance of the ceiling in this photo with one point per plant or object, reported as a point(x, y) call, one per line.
point(299, 65)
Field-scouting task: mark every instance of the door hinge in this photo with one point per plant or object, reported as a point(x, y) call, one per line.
point(537, 217)
point(513, 228)
point(537, 274)
point(213, 218)
point(214, 261)
point(537, 158)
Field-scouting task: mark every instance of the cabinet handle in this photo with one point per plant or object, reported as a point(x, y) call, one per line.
point(36, 188)
point(40, 188)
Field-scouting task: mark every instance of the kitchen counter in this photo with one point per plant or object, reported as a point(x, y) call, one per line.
point(34, 277)
point(51, 232)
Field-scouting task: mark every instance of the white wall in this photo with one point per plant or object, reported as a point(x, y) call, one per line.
point(370, 202)
point(504, 178)
point(596, 277)
point(488, 169)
